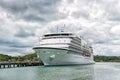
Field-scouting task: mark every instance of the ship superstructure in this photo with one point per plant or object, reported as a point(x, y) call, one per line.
point(64, 49)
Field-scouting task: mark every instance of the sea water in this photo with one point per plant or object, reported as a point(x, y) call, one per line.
point(98, 71)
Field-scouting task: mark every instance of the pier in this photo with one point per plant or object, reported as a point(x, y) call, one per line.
point(16, 64)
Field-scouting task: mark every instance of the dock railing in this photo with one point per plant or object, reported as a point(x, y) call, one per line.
point(7, 64)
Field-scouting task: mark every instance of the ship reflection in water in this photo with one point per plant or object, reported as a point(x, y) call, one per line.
point(98, 71)
point(85, 72)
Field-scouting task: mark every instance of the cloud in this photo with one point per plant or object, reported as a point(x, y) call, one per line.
point(38, 10)
point(22, 23)
point(115, 30)
point(24, 33)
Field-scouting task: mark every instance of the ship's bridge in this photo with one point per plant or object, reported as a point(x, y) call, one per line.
point(59, 35)
point(56, 40)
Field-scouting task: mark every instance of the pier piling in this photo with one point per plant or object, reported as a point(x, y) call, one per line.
point(22, 64)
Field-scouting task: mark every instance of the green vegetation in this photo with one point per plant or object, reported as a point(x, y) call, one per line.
point(33, 57)
point(4, 57)
point(107, 58)
point(25, 58)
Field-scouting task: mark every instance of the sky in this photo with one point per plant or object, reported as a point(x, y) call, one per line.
point(23, 22)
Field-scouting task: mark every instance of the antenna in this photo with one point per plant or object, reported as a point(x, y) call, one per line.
point(62, 28)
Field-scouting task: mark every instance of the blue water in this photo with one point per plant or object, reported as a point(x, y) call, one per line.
point(98, 71)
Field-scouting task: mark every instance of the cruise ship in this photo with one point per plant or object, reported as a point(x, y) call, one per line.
point(64, 49)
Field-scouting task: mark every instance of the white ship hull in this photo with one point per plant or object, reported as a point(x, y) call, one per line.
point(56, 56)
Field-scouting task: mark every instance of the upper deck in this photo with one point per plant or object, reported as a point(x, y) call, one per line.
point(56, 35)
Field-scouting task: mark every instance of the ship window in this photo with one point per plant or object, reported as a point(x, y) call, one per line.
point(87, 55)
point(49, 35)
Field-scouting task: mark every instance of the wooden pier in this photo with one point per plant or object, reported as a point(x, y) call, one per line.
point(20, 64)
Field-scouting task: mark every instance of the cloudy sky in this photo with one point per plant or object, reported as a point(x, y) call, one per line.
point(22, 22)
